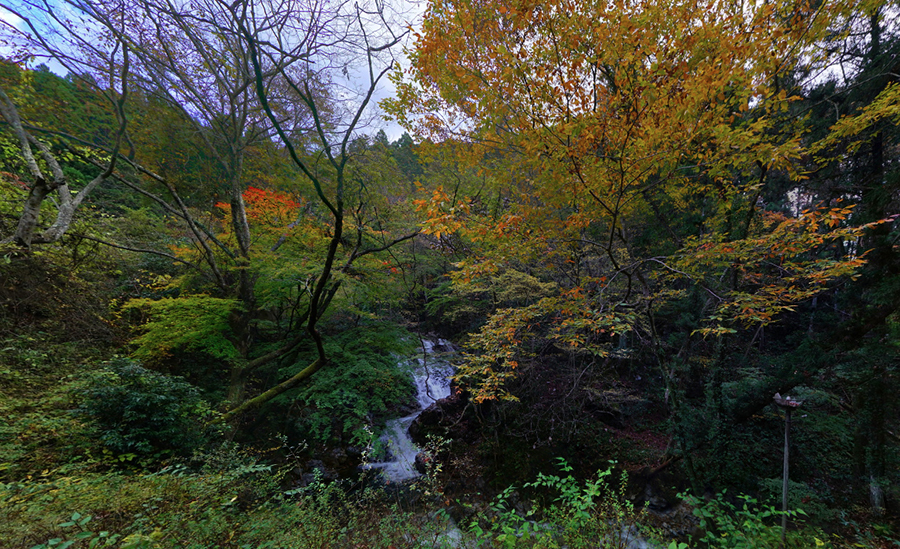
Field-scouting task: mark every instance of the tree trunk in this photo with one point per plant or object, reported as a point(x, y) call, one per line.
point(30, 216)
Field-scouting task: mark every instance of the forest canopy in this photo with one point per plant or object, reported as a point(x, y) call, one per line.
point(639, 221)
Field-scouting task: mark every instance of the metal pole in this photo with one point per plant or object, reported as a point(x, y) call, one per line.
point(784, 486)
point(788, 404)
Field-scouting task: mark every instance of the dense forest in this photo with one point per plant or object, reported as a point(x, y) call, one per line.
point(638, 223)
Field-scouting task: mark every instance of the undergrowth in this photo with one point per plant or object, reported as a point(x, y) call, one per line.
point(232, 498)
point(62, 485)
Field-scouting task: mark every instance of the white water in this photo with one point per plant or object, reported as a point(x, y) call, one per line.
point(432, 379)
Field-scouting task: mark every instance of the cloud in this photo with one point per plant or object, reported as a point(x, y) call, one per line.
point(11, 19)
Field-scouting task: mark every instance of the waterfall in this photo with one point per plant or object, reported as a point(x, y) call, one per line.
point(432, 379)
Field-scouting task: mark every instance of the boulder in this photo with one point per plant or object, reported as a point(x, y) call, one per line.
point(316, 470)
point(441, 418)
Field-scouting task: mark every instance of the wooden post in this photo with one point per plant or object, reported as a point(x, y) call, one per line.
point(788, 404)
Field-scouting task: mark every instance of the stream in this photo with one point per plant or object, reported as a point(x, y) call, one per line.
point(431, 373)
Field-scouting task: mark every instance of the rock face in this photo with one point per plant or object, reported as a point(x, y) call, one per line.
point(442, 418)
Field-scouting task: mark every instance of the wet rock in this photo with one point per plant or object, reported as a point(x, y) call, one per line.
point(406, 409)
point(444, 346)
point(656, 488)
point(466, 513)
point(676, 522)
point(338, 454)
point(422, 462)
point(439, 419)
point(658, 504)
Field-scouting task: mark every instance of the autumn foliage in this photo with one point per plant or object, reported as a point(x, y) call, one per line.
point(272, 208)
point(615, 124)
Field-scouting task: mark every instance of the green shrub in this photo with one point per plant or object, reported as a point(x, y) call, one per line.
point(595, 513)
point(362, 382)
point(749, 526)
point(38, 432)
point(140, 411)
point(800, 496)
point(197, 323)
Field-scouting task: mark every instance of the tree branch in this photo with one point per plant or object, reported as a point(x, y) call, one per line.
point(140, 250)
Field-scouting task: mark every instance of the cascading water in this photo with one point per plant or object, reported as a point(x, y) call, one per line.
point(432, 378)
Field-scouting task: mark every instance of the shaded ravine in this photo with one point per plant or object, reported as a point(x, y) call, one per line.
point(431, 373)
point(432, 378)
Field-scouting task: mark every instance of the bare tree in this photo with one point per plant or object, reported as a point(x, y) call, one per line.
point(246, 73)
point(328, 40)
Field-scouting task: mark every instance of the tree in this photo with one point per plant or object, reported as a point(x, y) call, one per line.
point(331, 38)
point(84, 60)
point(307, 122)
point(637, 141)
point(855, 116)
point(259, 83)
